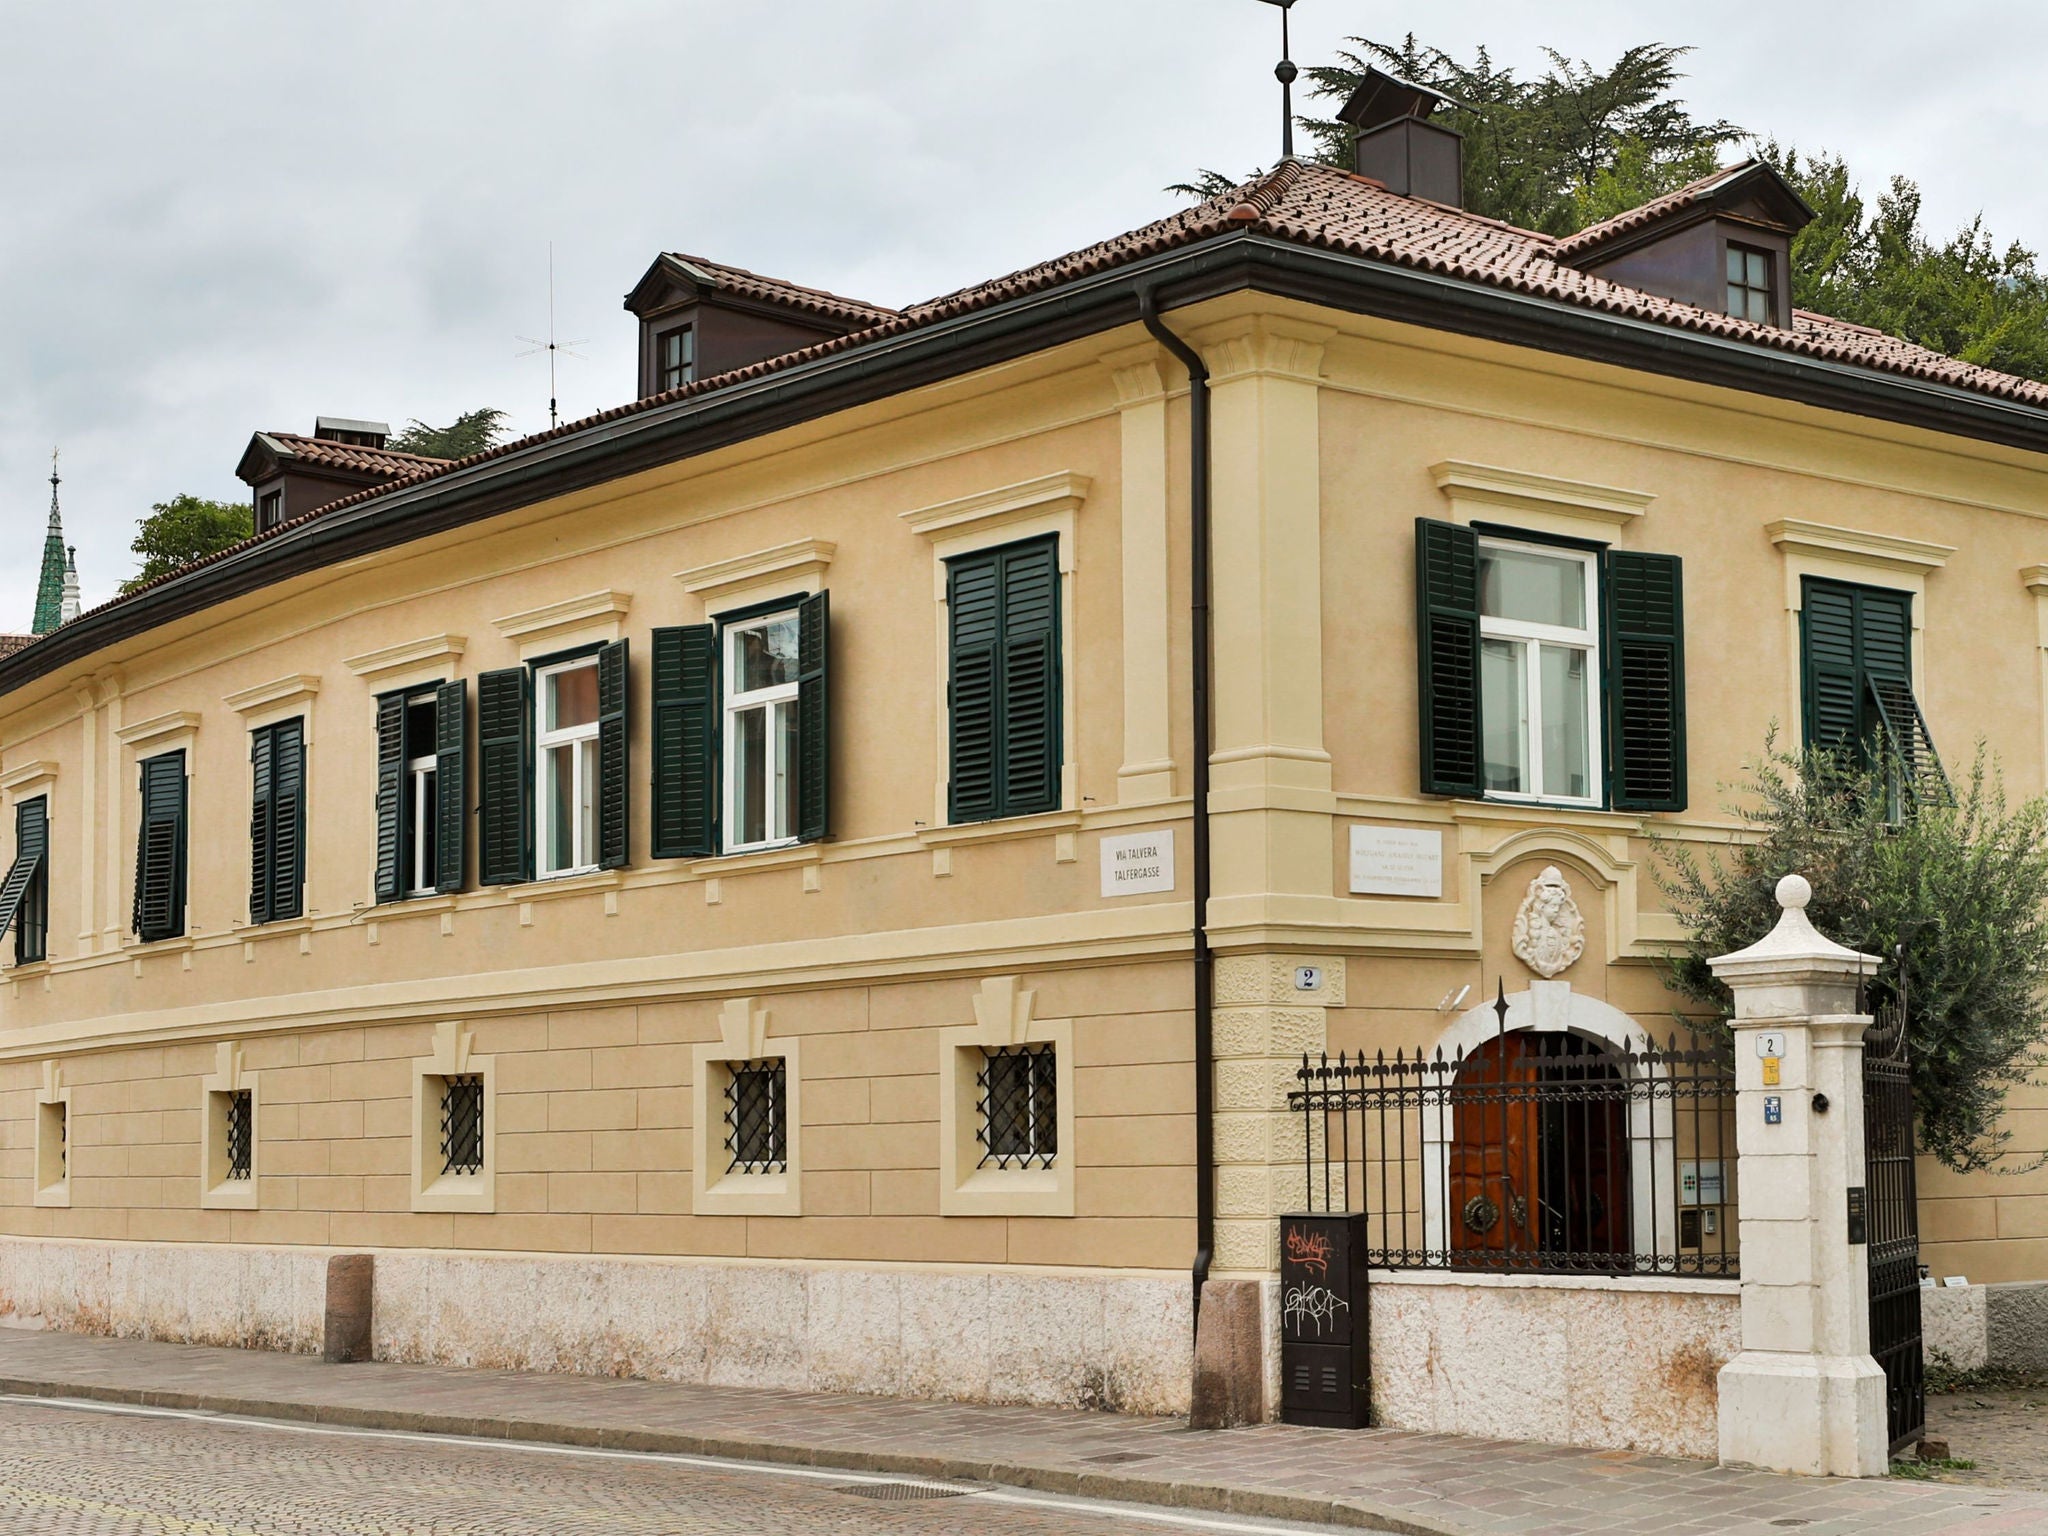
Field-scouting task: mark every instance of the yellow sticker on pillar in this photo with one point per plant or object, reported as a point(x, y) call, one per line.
point(1770, 1071)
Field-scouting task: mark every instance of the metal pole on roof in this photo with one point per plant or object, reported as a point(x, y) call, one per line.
point(1286, 74)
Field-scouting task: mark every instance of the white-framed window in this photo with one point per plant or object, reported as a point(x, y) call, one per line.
point(565, 702)
point(1539, 672)
point(422, 824)
point(760, 730)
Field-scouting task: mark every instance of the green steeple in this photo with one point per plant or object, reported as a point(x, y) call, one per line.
point(50, 590)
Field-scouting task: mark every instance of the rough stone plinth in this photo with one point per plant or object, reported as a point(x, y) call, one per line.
point(1229, 1365)
point(351, 1289)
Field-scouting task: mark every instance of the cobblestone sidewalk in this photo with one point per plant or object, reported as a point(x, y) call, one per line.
point(1429, 1485)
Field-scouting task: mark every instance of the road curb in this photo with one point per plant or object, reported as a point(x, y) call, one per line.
point(1125, 1487)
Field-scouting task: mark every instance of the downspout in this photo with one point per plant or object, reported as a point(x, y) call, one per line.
point(1198, 623)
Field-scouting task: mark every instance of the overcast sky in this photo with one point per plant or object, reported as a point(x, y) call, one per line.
point(217, 217)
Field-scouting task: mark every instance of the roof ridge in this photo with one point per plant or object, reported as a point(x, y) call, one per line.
point(780, 282)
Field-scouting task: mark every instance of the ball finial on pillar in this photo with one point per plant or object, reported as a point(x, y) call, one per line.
point(1794, 892)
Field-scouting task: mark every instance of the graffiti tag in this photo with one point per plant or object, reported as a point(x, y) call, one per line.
point(1312, 1306)
point(1310, 1250)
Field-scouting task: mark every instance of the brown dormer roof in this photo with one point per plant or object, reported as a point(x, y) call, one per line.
point(719, 277)
point(1731, 183)
point(325, 453)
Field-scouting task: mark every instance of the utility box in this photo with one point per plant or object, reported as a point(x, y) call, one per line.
point(1325, 1365)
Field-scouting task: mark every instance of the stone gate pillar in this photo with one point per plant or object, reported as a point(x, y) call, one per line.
point(1804, 1395)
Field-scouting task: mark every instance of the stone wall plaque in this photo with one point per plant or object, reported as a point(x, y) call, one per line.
point(1137, 863)
point(1396, 861)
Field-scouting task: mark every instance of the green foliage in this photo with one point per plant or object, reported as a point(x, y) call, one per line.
point(184, 529)
point(1574, 145)
point(1875, 266)
point(471, 432)
point(1966, 884)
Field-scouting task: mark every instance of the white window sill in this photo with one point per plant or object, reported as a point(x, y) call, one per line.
point(765, 856)
point(752, 1194)
point(570, 882)
point(998, 828)
point(230, 1195)
point(1011, 1192)
point(463, 1193)
point(54, 1194)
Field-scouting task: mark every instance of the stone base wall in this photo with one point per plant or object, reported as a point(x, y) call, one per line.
point(1619, 1364)
point(1115, 1340)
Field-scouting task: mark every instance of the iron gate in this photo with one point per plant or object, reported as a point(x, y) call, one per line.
point(1894, 1222)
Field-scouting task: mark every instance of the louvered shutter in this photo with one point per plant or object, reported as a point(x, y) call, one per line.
point(288, 821)
point(160, 849)
point(1646, 681)
point(813, 719)
point(451, 785)
point(390, 796)
point(614, 800)
point(504, 777)
point(685, 741)
point(1030, 732)
point(31, 848)
point(1447, 650)
point(1833, 666)
point(974, 614)
point(263, 774)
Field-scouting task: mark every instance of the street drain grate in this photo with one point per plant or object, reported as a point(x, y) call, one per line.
point(900, 1492)
point(1118, 1458)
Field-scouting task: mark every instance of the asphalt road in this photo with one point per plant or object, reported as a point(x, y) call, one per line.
point(73, 1469)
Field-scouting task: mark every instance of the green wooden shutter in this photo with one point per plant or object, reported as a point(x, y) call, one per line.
point(685, 738)
point(390, 796)
point(160, 849)
point(451, 785)
point(1832, 665)
point(1646, 681)
point(1447, 651)
point(974, 617)
point(813, 719)
point(504, 777)
point(31, 848)
point(614, 800)
point(288, 820)
point(1029, 734)
point(263, 774)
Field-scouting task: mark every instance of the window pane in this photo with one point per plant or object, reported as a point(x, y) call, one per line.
point(586, 805)
point(1734, 264)
point(419, 728)
point(572, 698)
point(1738, 300)
point(1537, 589)
point(425, 833)
point(750, 774)
point(1565, 722)
point(767, 654)
point(559, 787)
point(1760, 306)
point(1506, 713)
point(1759, 273)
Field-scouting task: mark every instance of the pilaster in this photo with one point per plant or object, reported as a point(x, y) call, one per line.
point(1147, 770)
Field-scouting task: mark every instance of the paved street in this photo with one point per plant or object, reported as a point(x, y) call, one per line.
point(76, 1470)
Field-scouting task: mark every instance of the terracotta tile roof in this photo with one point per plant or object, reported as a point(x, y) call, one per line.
point(778, 290)
point(9, 644)
point(1690, 195)
point(347, 456)
point(1321, 207)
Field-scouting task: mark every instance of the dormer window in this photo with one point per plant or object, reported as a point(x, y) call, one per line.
point(269, 510)
point(1749, 284)
point(676, 354)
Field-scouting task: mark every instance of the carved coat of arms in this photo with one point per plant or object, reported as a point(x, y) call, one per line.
point(1550, 932)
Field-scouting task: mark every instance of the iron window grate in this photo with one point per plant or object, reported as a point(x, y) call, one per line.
point(241, 1133)
point(756, 1117)
point(1018, 1106)
point(462, 1124)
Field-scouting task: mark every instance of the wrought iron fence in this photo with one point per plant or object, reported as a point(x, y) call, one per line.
point(1537, 1151)
point(1893, 1221)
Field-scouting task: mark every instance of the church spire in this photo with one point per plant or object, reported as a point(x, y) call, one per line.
point(50, 589)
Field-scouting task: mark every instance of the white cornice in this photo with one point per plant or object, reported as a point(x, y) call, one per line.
point(801, 562)
point(1574, 507)
point(282, 690)
point(374, 665)
point(590, 608)
point(990, 509)
point(179, 722)
point(28, 776)
point(1883, 550)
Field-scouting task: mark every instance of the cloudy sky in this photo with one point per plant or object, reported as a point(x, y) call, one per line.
point(221, 216)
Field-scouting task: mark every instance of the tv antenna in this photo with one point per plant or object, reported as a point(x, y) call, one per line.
point(553, 348)
point(1286, 74)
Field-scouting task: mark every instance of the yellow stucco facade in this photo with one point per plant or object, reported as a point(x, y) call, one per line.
point(595, 1004)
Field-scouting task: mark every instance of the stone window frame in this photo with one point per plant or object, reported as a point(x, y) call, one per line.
point(1005, 1015)
point(54, 1154)
point(218, 1192)
point(431, 1188)
point(743, 1038)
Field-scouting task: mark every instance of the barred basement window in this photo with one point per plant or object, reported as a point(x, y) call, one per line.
point(1018, 1106)
point(462, 1124)
point(241, 1133)
point(756, 1117)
